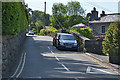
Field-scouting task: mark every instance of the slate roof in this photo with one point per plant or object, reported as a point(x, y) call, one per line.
point(108, 19)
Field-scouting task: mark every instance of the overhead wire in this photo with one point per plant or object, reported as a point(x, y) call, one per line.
point(98, 6)
point(61, 26)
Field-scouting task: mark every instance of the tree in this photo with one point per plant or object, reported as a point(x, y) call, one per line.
point(74, 8)
point(65, 16)
point(111, 43)
point(39, 15)
point(39, 25)
point(112, 38)
point(59, 12)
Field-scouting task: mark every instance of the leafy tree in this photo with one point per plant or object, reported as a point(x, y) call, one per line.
point(74, 19)
point(39, 25)
point(65, 16)
point(59, 9)
point(58, 17)
point(74, 8)
point(39, 15)
point(112, 39)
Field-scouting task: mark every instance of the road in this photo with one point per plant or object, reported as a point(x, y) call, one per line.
point(42, 60)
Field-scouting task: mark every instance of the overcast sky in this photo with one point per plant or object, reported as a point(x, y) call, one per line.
point(109, 6)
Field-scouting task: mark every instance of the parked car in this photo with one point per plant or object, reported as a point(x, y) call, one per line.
point(66, 41)
point(55, 38)
point(31, 32)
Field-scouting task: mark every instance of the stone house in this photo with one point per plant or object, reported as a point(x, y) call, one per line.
point(99, 27)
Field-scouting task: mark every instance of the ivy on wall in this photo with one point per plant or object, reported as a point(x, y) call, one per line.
point(14, 18)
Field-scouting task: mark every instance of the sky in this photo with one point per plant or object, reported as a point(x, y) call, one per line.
point(109, 6)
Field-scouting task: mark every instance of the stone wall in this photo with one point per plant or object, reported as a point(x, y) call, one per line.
point(11, 50)
point(80, 40)
point(0, 40)
point(93, 46)
point(87, 45)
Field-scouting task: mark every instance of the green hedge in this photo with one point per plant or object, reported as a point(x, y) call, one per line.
point(14, 18)
point(83, 31)
point(112, 40)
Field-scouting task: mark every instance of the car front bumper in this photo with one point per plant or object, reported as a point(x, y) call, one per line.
point(67, 47)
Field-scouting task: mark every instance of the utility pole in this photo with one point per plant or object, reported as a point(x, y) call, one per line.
point(45, 15)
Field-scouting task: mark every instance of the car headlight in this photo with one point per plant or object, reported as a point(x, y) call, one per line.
point(75, 42)
point(61, 43)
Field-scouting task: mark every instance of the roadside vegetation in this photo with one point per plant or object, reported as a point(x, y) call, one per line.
point(63, 17)
point(111, 43)
point(15, 18)
point(48, 31)
point(83, 31)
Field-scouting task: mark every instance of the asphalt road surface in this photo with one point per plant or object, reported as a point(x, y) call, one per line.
point(42, 60)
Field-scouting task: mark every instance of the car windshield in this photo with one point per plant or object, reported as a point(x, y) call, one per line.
point(67, 37)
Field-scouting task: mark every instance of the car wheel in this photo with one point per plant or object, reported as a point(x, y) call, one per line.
point(57, 44)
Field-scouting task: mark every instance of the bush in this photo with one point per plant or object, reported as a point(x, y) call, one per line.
point(34, 30)
point(14, 18)
point(83, 31)
point(42, 32)
point(112, 39)
point(50, 30)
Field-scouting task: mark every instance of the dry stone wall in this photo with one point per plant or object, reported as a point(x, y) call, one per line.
point(11, 51)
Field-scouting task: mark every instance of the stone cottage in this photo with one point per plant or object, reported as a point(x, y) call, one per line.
point(99, 27)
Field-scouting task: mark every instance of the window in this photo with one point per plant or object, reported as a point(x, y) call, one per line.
point(103, 29)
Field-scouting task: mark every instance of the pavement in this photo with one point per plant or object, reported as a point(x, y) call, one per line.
point(105, 59)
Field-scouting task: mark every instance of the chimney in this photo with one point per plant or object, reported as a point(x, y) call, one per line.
point(103, 14)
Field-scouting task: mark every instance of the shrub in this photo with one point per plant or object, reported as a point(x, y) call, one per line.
point(112, 39)
point(42, 32)
point(83, 31)
point(34, 30)
point(50, 30)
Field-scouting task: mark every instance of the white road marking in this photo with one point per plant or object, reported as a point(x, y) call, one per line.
point(17, 67)
point(50, 50)
point(58, 60)
point(22, 66)
point(65, 67)
point(101, 71)
point(88, 69)
point(48, 47)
